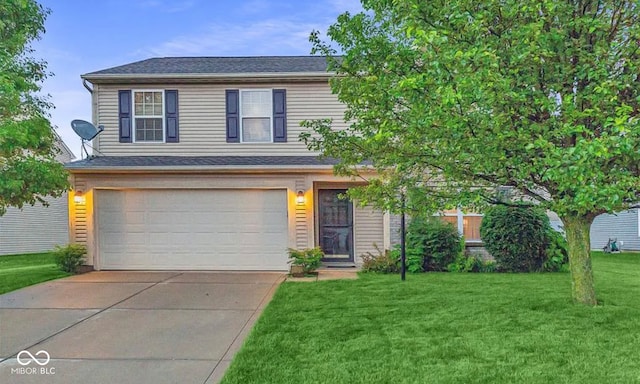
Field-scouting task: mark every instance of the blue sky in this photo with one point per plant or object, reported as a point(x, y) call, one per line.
point(88, 35)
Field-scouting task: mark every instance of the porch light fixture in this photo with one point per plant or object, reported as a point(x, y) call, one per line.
point(300, 197)
point(78, 198)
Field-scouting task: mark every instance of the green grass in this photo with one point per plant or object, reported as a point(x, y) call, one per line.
point(17, 271)
point(449, 328)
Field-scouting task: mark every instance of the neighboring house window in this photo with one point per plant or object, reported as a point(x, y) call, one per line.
point(256, 115)
point(468, 223)
point(148, 116)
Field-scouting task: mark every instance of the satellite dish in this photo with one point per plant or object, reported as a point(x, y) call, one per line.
point(86, 131)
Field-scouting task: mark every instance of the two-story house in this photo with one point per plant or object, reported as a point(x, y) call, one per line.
point(200, 167)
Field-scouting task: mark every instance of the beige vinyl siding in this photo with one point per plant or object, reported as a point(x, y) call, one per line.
point(34, 228)
point(368, 230)
point(302, 230)
point(202, 120)
point(78, 223)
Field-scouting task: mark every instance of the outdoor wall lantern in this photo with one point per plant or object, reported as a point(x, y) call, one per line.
point(78, 198)
point(300, 197)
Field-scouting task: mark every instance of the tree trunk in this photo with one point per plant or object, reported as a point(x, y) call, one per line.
point(582, 286)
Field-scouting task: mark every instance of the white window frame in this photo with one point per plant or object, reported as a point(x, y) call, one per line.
point(134, 116)
point(460, 215)
point(241, 115)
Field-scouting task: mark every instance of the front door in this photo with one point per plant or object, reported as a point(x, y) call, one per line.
point(335, 225)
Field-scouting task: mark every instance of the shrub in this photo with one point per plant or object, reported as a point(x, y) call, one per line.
point(70, 257)
point(557, 253)
point(432, 244)
point(309, 258)
point(516, 237)
point(471, 263)
point(382, 262)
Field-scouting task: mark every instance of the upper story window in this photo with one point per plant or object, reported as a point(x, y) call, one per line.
point(148, 116)
point(256, 112)
point(256, 115)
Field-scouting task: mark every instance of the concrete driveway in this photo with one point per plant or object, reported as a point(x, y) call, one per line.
point(130, 327)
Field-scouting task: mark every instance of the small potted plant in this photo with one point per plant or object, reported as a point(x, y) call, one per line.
point(305, 261)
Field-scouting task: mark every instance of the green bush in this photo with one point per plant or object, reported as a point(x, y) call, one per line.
point(517, 237)
point(432, 244)
point(382, 262)
point(310, 258)
point(471, 263)
point(557, 252)
point(70, 257)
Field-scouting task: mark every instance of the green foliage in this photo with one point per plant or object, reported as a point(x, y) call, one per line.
point(70, 257)
point(386, 261)
point(557, 252)
point(309, 258)
point(471, 263)
point(448, 100)
point(432, 244)
point(28, 168)
point(516, 237)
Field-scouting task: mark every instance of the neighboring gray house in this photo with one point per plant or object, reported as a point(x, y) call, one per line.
point(624, 226)
point(37, 228)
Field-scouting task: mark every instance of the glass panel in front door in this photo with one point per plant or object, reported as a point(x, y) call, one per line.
point(335, 224)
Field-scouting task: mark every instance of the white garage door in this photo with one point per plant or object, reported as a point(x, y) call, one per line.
point(192, 229)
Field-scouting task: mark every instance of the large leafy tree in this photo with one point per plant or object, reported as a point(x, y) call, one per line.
point(28, 169)
point(450, 99)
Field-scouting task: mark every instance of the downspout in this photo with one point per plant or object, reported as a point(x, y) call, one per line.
point(86, 85)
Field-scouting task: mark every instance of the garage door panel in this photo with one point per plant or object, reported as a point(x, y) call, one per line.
point(192, 229)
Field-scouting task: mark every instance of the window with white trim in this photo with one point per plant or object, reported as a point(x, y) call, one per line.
point(148, 116)
point(468, 223)
point(256, 111)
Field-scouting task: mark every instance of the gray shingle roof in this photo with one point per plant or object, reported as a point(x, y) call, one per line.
point(215, 162)
point(219, 65)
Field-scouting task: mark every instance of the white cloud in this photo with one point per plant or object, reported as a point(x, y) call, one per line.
point(268, 37)
point(256, 6)
point(167, 6)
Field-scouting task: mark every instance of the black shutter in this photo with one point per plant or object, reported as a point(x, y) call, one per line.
point(124, 115)
point(233, 116)
point(279, 115)
point(171, 109)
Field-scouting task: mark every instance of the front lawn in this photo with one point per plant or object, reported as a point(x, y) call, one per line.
point(449, 328)
point(17, 271)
